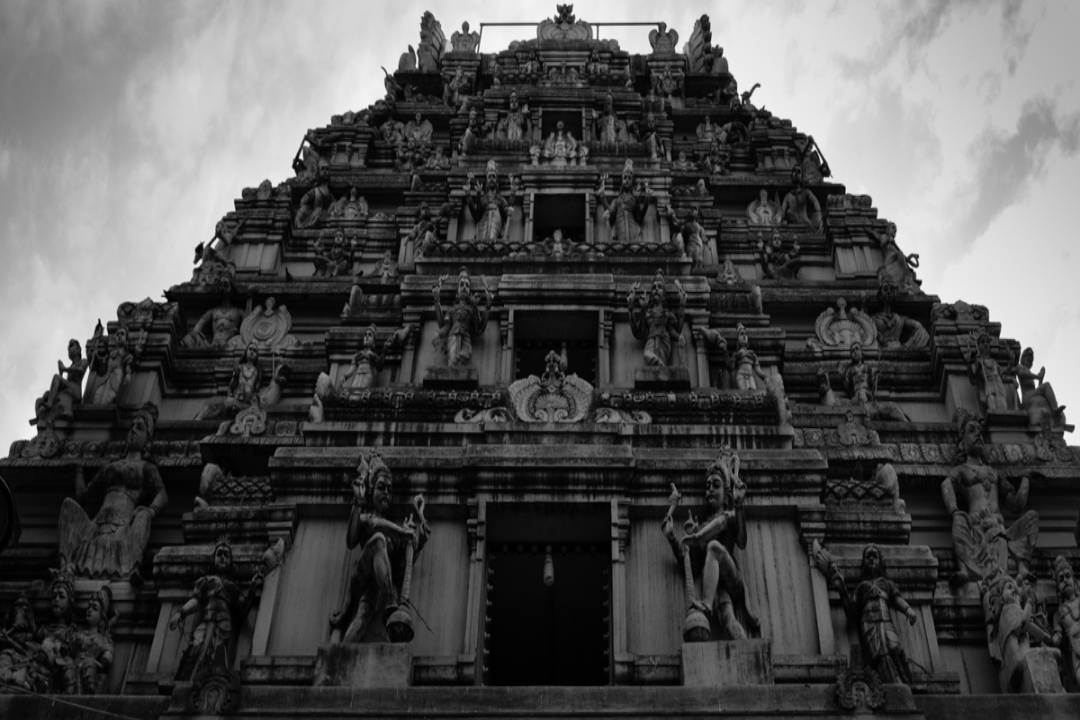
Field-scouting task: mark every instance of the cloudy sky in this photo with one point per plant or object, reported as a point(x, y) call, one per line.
point(127, 128)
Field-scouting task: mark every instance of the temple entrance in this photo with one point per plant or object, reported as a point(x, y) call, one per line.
point(548, 620)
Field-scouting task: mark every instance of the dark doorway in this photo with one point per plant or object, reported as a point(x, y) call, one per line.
point(548, 634)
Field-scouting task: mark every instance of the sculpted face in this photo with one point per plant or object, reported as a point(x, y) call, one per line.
point(222, 558)
point(251, 354)
point(856, 352)
point(380, 495)
point(61, 601)
point(139, 433)
point(94, 612)
point(369, 338)
point(972, 440)
point(74, 350)
point(714, 491)
point(1027, 358)
point(872, 561)
point(1066, 584)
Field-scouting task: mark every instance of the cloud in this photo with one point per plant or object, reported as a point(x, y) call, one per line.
point(1007, 163)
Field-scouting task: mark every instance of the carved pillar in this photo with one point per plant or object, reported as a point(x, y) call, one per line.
point(603, 345)
point(702, 357)
point(506, 335)
point(622, 661)
point(408, 352)
point(477, 594)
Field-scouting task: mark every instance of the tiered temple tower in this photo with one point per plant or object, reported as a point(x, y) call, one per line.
point(556, 366)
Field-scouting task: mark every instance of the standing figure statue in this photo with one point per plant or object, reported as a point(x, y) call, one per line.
point(460, 323)
point(868, 607)
point(365, 366)
point(654, 322)
point(859, 377)
point(690, 236)
point(1066, 627)
point(626, 211)
point(110, 366)
point(377, 592)
point(747, 371)
point(111, 545)
point(896, 267)
point(490, 208)
point(22, 663)
point(90, 647)
point(984, 544)
point(721, 612)
point(994, 394)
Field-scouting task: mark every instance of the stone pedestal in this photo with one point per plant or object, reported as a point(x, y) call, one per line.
point(440, 377)
point(654, 377)
point(364, 665)
point(1037, 673)
point(726, 663)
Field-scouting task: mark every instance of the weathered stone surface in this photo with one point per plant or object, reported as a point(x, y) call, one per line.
point(727, 663)
point(367, 665)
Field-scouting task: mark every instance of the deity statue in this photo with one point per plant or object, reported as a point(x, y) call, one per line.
point(893, 329)
point(374, 608)
point(386, 268)
point(626, 211)
point(663, 41)
point(222, 606)
point(800, 207)
point(217, 327)
point(654, 322)
point(516, 123)
point(1039, 400)
point(721, 611)
point(984, 544)
point(65, 390)
point(460, 323)
point(110, 364)
point(111, 545)
point(268, 326)
point(476, 130)
point(1013, 636)
point(775, 263)
point(868, 606)
point(994, 394)
point(707, 132)
point(690, 236)
point(465, 41)
point(682, 162)
point(560, 148)
point(314, 204)
point(22, 662)
point(609, 129)
point(667, 88)
point(763, 211)
point(858, 377)
point(1066, 627)
point(425, 231)
point(896, 267)
point(490, 208)
point(89, 647)
point(456, 92)
point(349, 207)
point(334, 257)
point(51, 651)
point(747, 370)
point(365, 365)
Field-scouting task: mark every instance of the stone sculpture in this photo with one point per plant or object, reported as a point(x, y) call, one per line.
point(314, 205)
point(607, 126)
point(1039, 400)
point(560, 148)
point(1066, 626)
point(895, 330)
point(896, 267)
point(65, 391)
point(349, 207)
point(721, 612)
point(800, 207)
point(747, 370)
point(840, 327)
point(89, 647)
point(374, 608)
point(221, 606)
point(564, 26)
point(994, 394)
point(366, 363)
point(763, 211)
point(111, 544)
point(690, 235)
point(516, 125)
point(216, 328)
point(625, 212)
point(984, 543)
point(456, 92)
point(466, 318)
point(490, 208)
point(552, 397)
point(465, 41)
point(110, 364)
point(334, 257)
point(657, 323)
point(432, 44)
point(868, 607)
point(23, 664)
point(775, 262)
point(1014, 638)
point(425, 231)
point(267, 327)
point(247, 396)
point(663, 41)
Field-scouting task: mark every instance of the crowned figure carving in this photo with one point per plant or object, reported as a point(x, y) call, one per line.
point(564, 26)
point(268, 327)
point(552, 397)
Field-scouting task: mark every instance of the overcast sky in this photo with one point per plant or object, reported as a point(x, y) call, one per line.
point(126, 130)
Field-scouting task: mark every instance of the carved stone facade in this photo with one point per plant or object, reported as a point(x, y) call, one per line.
point(402, 444)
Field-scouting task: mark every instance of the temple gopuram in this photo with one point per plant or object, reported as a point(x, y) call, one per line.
point(559, 382)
